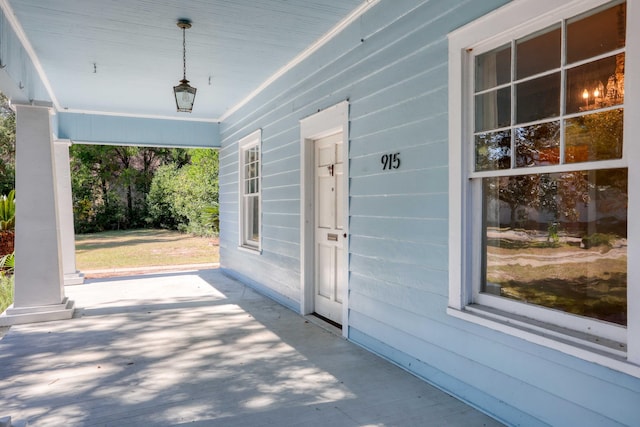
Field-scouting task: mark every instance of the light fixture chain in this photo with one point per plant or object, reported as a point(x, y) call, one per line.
point(184, 55)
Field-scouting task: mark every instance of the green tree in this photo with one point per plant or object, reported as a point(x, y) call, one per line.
point(199, 189)
point(94, 170)
point(161, 199)
point(179, 196)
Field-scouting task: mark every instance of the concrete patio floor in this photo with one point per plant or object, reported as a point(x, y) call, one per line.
point(200, 348)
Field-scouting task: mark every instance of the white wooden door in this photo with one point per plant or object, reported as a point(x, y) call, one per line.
point(330, 238)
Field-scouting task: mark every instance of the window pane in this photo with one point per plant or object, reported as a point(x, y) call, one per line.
point(538, 145)
point(596, 34)
point(493, 68)
point(559, 241)
point(251, 170)
point(493, 109)
point(538, 54)
point(594, 137)
point(253, 217)
point(538, 99)
point(597, 84)
point(493, 151)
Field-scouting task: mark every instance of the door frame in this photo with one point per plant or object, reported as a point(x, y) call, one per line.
point(324, 123)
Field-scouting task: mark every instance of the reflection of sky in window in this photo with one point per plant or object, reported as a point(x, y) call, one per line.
point(497, 153)
point(493, 150)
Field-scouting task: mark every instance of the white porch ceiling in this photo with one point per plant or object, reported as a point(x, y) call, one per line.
point(124, 56)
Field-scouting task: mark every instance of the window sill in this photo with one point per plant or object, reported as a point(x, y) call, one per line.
point(250, 250)
point(592, 349)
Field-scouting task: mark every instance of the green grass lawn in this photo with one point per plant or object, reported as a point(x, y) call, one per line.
point(142, 248)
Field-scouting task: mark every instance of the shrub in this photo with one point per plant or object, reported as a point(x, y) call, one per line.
point(161, 199)
point(598, 239)
point(211, 216)
point(6, 291)
point(7, 222)
point(179, 196)
point(8, 211)
point(6, 281)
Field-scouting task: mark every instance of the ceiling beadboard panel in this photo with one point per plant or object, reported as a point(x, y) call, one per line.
point(124, 56)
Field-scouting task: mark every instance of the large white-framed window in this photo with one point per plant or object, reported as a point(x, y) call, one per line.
point(250, 206)
point(543, 154)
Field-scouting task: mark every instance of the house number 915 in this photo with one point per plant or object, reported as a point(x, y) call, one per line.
point(390, 161)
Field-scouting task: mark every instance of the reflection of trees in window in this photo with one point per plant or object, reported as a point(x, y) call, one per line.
point(493, 151)
point(562, 197)
point(538, 145)
point(553, 237)
point(594, 136)
point(565, 246)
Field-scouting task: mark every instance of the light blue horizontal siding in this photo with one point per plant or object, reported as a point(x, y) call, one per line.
point(591, 405)
point(281, 247)
point(277, 162)
point(419, 277)
point(282, 177)
point(283, 234)
point(407, 135)
point(392, 67)
point(259, 286)
point(286, 192)
point(394, 206)
point(374, 224)
point(449, 383)
point(421, 157)
point(246, 263)
point(400, 295)
point(405, 182)
point(286, 150)
point(401, 252)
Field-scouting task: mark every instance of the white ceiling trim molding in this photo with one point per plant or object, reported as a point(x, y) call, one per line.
point(17, 28)
point(138, 116)
point(358, 12)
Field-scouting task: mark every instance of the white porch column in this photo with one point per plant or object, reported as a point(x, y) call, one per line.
point(39, 291)
point(65, 214)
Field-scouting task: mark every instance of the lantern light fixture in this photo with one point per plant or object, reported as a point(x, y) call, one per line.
point(185, 94)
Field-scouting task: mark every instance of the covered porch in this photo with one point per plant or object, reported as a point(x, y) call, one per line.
point(92, 73)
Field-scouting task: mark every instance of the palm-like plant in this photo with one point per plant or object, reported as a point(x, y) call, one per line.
point(6, 281)
point(8, 211)
point(7, 263)
point(210, 216)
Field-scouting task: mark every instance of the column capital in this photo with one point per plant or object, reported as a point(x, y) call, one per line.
point(66, 142)
point(35, 104)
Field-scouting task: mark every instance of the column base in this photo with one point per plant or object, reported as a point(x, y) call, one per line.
point(43, 313)
point(76, 278)
point(6, 422)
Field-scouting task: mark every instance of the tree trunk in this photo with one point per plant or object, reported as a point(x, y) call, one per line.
point(130, 203)
point(7, 239)
point(512, 218)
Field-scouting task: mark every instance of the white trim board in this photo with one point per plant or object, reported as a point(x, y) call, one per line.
point(324, 123)
point(514, 20)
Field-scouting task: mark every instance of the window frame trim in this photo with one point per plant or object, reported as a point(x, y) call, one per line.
point(254, 139)
point(512, 21)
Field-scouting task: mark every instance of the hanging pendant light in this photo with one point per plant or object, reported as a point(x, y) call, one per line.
point(184, 93)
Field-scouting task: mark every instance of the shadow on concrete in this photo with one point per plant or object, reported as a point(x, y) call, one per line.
point(202, 349)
